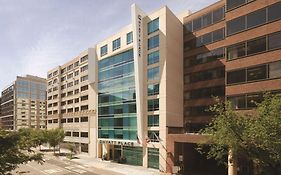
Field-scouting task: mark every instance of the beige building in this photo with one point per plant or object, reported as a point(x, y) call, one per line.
point(140, 89)
point(23, 104)
point(71, 101)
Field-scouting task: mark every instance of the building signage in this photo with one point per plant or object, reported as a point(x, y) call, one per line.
point(139, 33)
point(113, 142)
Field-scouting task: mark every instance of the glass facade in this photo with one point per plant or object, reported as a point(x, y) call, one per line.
point(26, 89)
point(117, 98)
point(153, 158)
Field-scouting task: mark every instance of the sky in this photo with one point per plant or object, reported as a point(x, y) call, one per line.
point(38, 35)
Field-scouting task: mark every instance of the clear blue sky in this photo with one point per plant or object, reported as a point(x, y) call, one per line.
point(38, 35)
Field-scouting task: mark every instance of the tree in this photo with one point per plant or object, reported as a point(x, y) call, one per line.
point(73, 150)
point(16, 148)
point(255, 135)
point(55, 137)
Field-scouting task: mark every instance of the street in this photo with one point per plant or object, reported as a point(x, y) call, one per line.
point(57, 166)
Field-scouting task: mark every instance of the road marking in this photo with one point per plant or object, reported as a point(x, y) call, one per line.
point(36, 169)
point(79, 171)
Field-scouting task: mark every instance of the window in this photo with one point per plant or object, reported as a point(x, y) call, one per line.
point(236, 25)
point(218, 14)
point(84, 78)
point(55, 121)
point(84, 134)
point(274, 41)
point(153, 89)
point(153, 105)
point(129, 37)
point(83, 59)
point(76, 64)
point(68, 133)
point(207, 19)
point(256, 46)
point(70, 120)
point(76, 82)
point(83, 98)
point(70, 67)
point(207, 57)
point(188, 26)
point(75, 134)
point(153, 120)
point(153, 136)
point(236, 51)
point(153, 73)
point(238, 76)
point(218, 35)
point(69, 76)
point(116, 44)
point(63, 120)
point(256, 18)
point(230, 4)
point(84, 68)
point(50, 121)
point(274, 12)
point(207, 92)
point(153, 58)
point(76, 120)
point(76, 73)
point(70, 84)
point(153, 26)
point(103, 50)
point(256, 73)
point(84, 119)
point(84, 88)
point(238, 102)
point(253, 99)
point(275, 69)
point(197, 24)
point(153, 42)
point(76, 91)
point(85, 107)
point(206, 75)
point(63, 71)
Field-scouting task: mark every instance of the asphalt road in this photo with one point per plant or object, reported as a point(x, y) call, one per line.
point(56, 166)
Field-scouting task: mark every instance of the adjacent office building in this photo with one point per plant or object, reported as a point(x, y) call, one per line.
point(231, 50)
point(23, 104)
point(71, 101)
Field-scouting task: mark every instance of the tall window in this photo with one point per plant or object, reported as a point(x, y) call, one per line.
point(230, 4)
point(153, 73)
point(116, 44)
point(153, 58)
point(153, 120)
point(236, 51)
point(274, 41)
point(236, 25)
point(274, 12)
point(153, 26)
point(129, 37)
point(153, 42)
point(153, 89)
point(153, 105)
point(103, 50)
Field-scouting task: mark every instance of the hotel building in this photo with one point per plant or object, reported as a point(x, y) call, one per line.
point(23, 104)
point(231, 50)
point(139, 96)
point(71, 101)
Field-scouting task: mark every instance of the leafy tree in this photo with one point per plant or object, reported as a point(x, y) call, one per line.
point(15, 149)
point(255, 135)
point(55, 137)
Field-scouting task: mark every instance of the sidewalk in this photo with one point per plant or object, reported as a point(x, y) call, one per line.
point(115, 167)
point(87, 161)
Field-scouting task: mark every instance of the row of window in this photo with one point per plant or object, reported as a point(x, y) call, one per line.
point(210, 56)
point(116, 44)
point(206, 20)
point(254, 46)
point(256, 18)
point(262, 72)
point(69, 110)
point(70, 67)
point(205, 93)
point(209, 38)
point(69, 120)
point(230, 4)
point(76, 134)
point(76, 91)
point(204, 75)
point(63, 103)
point(197, 111)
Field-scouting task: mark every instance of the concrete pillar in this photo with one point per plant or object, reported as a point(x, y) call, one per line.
point(145, 156)
point(232, 163)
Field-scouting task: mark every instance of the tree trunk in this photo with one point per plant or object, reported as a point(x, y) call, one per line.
point(232, 163)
